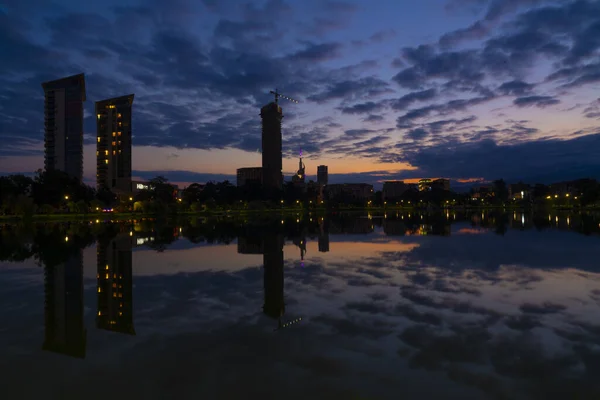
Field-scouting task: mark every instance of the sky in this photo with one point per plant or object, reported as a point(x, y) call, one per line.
point(470, 90)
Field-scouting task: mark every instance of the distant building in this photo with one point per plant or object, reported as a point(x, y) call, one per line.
point(299, 178)
point(115, 284)
point(393, 190)
point(441, 184)
point(271, 115)
point(424, 185)
point(355, 191)
point(249, 175)
point(519, 191)
point(483, 192)
point(113, 147)
point(63, 125)
point(322, 175)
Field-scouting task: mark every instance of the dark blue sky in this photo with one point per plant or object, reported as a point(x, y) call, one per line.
point(388, 89)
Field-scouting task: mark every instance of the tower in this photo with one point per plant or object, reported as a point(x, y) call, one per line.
point(113, 147)
point(63, 125)
point(271, 115)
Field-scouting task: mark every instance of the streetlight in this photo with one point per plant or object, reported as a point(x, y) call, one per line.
point(66, 197)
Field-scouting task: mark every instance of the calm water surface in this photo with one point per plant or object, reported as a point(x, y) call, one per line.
point(373, 307)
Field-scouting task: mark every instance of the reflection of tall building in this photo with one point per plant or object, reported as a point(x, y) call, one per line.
point(274, 305)
point(250, 244)
point(64, 329)
point(323, 237)
point(63, 123)
point(115, 285)
point(324, 242)
point(271, 115)
point(113, 155)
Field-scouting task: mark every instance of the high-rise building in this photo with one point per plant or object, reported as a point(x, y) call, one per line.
point(63, 125)
point(115, 284)
point(113, 147)
point(322, 175)
point(65, 331)
point(271, 115)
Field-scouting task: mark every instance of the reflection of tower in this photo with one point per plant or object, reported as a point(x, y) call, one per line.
point(115, 285)
point(274, 305)
point(323, 238)
point(271, 115)
point(64, 329)
point(301, 243)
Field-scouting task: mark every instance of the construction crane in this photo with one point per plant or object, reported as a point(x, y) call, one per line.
point(278, 95)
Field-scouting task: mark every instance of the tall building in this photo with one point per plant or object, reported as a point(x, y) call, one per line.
point(115, 284)
point(441, 184)
point(424, 185)
point(271, 115)
point(63, 125)
point(113, 147)
point(322, 175)
point(65, 331)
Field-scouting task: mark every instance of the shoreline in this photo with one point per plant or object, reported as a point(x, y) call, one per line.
point(267, 212)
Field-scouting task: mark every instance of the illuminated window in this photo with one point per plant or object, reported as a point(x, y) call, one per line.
point(114, 134)
point(105, 152)
point(119, 115)
point(120, 313)
point(119, 151)
point(99, 312)
point(97, 152)
point(106, 267)
point(119, 123)
point(119, 133)
point(98, 139)
point(99, 116)
point(107, 276)
point(114, 276)
point(114, 285)
point(120, 294)
point(99, 290)
point(114, 152)
point(114, 143)
point(114, 295)
point(105, 161)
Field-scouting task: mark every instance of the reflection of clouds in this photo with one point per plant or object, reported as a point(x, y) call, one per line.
point(376, 320)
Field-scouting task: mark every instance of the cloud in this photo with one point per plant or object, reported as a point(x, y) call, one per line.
point(516, 88)
point(538, 101)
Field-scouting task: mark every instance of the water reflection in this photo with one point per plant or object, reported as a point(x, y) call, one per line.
point(115, 284)
point(492, 305)
point(65, 332)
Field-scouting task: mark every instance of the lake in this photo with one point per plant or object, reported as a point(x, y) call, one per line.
point(411, 306)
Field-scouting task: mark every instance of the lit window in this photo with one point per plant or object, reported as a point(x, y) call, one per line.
point(106, 161)
point(120, 294)
point(114, 285)
point(105, 152)
point(114, 295)
point(107, 276)
point(114, 134)
point(119, 115)
point(99, 312)
point(99, 290)
point(99, 116)
point(119, 123)
point(114, 152)
point(119, 133)
point(120, 313)
point(98, 139)
point(119, 151)
point(97, 152)
point(114, 276)
point(114, 143)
